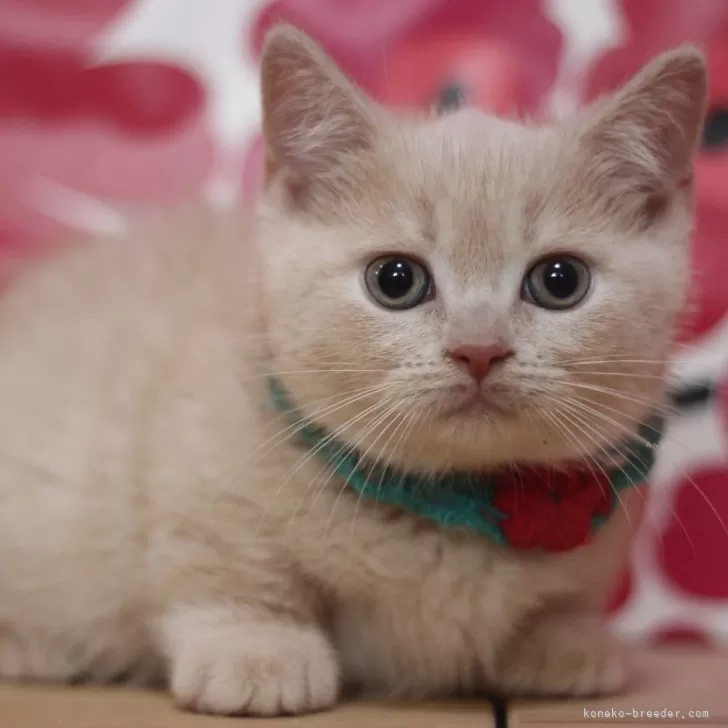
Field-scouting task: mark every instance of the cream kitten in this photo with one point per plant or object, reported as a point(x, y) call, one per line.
point(160, 518)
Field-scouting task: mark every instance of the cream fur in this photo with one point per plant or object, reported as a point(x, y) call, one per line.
point(158, 520)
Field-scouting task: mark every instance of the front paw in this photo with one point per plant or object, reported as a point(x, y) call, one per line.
point(563, 656)
point(251, 668)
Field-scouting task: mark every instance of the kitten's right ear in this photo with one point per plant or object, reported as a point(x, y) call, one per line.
point(312, 115)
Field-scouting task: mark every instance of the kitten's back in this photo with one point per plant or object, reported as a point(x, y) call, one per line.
point(89, 339)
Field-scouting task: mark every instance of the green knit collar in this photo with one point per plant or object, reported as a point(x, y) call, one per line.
point(523, 508)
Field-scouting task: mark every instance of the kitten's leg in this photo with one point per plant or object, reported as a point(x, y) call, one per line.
point(562, 654)
point(230, 659)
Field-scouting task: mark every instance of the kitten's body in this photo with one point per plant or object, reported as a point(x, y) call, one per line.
point(153, 515)
point(138, 480)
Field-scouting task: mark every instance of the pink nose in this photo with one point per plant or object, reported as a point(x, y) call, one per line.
point(478, 360)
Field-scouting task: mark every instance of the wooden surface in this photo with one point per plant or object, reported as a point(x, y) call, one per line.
point(36, 707)
point(665, 680)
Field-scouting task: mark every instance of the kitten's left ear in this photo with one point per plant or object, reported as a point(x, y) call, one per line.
point(645, 136)
point(313, 116)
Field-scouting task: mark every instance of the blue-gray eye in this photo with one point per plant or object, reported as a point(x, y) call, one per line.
point(398, 282)
point(559, 282)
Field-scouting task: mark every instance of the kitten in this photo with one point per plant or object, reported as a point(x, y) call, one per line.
point(450, 294)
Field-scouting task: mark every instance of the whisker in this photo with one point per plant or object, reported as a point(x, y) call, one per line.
point(682, 350)
point(291, 372)
point(571, 437)
point(296, 427)
point(331, 437)
point(363, 459)
point(682, 526)
point(617, 394)
point(629, 417)
point(584, 362)
point(293, 429)
point(644, 474)
point(308, 455)
point(583, 426)
point(631, 375)
point(709, 503)
point(409, 425)
point(621, 427)
point(637, 421)
point(642, 469)
point(589, 458)
point(401, 427)
point(349, 448)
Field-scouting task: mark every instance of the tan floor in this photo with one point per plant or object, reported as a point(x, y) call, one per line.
point(672, 687)
point(674, 680)
point(29, 707)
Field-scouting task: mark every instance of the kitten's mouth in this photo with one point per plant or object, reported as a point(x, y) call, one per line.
point(476, 405)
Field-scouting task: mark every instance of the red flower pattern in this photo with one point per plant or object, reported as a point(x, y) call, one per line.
point(404, 52)
point(685, 546)
point(135, 131)
point(692, 547)
point(119, 132)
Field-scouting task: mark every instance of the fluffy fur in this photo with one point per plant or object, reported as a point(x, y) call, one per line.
point(159, 520)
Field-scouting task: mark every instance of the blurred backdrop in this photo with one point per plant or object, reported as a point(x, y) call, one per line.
point(107, 106)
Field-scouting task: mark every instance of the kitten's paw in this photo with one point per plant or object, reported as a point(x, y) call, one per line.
point(251, 668)
point(563, 656)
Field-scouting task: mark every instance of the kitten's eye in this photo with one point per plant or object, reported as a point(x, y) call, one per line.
point(557, 283)
point(398, 282)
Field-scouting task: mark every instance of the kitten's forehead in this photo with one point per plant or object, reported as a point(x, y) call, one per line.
point(479, 175)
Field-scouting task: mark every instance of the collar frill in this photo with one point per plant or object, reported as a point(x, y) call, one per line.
point(524, 508)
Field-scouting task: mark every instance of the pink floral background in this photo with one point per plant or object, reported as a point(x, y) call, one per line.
point(111, 105)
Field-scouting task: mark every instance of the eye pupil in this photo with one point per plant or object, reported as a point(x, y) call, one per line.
point(557, 283)
point(560, 279)
point(396, 279)
point(397, 282)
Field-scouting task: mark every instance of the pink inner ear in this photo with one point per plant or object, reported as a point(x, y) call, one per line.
point(648, 131)
point(313, 115)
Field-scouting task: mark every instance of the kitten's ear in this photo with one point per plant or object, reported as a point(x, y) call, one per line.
point(312, 115)
point(645, 136)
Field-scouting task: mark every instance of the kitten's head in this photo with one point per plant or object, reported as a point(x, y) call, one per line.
point(462, 291)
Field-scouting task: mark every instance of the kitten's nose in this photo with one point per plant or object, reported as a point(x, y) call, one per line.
point(478, 360)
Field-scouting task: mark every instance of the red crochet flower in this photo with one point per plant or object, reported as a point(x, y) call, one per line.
point(549, 509)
